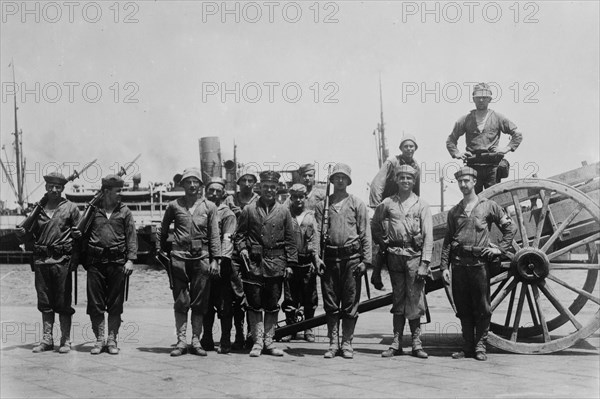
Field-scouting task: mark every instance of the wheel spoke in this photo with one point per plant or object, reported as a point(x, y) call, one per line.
point(562, 227)
point(538, 304)
point(574, 245)
point(500, 277)
point(500, 286)
point(518, 313)
point(559, 306)
point(574, 266)
point(574, 289)
point(540, 226)
point(519, 214)
point(531, 308)
point(510, 307)
point(503, 293)
point(515, 245)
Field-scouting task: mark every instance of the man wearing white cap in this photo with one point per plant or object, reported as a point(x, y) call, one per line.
point(468, 250)
point(482, 127)
point(347, 254)
point(195, 256)
point(52, 250)
point(403, 228)
point(384, 183)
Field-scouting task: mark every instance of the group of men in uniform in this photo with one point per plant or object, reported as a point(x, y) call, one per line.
point(238, 254)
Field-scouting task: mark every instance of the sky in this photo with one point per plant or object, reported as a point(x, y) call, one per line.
point(293, 82)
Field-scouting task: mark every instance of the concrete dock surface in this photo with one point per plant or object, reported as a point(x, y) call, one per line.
point(144, 368)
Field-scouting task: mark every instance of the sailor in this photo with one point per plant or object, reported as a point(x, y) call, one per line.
point(384, 182)
point(468, 249)
point(111, 249)
point(403, 228)
point(347, 255)
point(300, 290)
point(314, 195)
point(245, 196)
point(229, 285)
point(265, 241)
point(53, 247)
point(195, 256)
point(482, 127)
point(237, 202)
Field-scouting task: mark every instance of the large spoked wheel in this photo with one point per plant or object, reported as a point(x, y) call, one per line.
point(549, 285)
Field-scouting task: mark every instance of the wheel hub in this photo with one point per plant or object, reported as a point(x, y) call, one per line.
point(531, 264)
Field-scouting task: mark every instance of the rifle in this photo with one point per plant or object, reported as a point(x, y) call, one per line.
point(325, 216)
point(90, 210)
point(30, 220)
point(166, 263)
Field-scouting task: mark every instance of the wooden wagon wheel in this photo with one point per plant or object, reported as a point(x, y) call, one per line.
point(561, 223)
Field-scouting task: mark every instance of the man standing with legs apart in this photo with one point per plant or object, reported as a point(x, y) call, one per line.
point(403, 228)
point(347, 254)
point(111, 250)
point(265, 241)
point(300, 290)
point(52, 251)
point(194, 257)
point(482, 128)
point(225, 288)
point(468, 249)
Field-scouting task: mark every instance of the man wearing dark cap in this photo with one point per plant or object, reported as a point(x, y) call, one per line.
point(236, 203)
point(314, 195)
point(403, 228)
point(228, 286)
point(265, 240)
point(111, 249)
point(347, 254)
point(300, 290)
point(52, 250)
point(384, 183)
point(195, 255)
point(482, 128)
point(468, 249)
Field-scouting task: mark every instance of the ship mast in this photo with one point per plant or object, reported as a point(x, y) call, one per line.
point(379, 133)
point(18, 144)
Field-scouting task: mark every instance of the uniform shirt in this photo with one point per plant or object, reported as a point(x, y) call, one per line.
point(227, 227)
point(117, 230)
point(236, 205)
point(486, 141)
point(397, 222)
point(306, 233)
point(55, 230)
point(473, 230)
point(202, 225)
point(273, 230)
point(349, 225)
point(384, 183)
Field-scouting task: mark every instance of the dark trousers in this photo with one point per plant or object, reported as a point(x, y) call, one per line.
point(191, 285)
point(222, 293)
point(300, 290)
point(340, 289)
point(471, 292)
point(486, 176)
point(263, 293)
point(105, 288)
point(53, 287)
